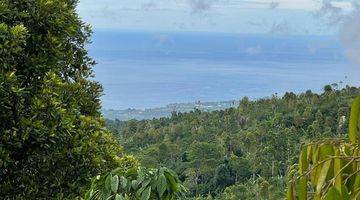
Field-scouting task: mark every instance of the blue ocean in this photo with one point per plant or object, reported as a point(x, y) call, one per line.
point(153, 69)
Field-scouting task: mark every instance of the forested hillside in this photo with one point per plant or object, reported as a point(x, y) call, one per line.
point(238, 153)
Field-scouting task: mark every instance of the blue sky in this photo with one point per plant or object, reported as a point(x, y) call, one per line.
point(233, 16)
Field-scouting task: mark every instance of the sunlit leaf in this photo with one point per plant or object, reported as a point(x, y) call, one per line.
point(354, 121)
point(301, 189)
point(333, 194)
point(303, 162)
point(290, 192)
point(324, 171)
point(119, 197)
point(338, 172)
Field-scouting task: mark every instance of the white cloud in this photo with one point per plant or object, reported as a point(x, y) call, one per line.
point(345, 16)
point(309, 5)
point(350, 36)
point(241, 16)
point(283, 4)
point(330, 12)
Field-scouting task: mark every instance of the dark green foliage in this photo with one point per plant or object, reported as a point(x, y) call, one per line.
point(256, 188)
point(259, 139)
point(224, 176)
point(240, 168)
point(136, 183)
point(52, 137)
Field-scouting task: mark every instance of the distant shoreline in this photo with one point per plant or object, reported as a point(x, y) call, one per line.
point(150, 113)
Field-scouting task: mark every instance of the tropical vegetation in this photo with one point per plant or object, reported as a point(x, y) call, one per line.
point(329, 169)
point(55, 144)
point(248, 149)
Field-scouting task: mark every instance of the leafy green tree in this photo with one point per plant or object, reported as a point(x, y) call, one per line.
point(237, 192)
point(240, 167)
point(328, 88)
point(52, 136)
point(224, 176)
point(256, 188)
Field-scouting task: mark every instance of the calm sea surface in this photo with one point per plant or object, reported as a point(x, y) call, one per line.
point(144, 70)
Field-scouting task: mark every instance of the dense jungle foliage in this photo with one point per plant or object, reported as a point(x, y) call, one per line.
point(239, 153)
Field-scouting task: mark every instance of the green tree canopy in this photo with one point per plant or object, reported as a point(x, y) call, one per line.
point(260, 138)
point(52, 137)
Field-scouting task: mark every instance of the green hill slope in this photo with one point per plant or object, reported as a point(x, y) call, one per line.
point(239, 152)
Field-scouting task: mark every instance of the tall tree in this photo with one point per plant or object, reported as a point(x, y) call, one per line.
point(52, 137)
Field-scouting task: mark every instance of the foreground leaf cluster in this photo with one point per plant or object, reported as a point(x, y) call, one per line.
point(329, 169)
point(136, 183)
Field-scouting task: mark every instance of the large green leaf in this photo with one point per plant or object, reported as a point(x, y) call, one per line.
point(290, 192)
point(146, 193)
point(147, 183)
point(302, 188)
point(134, 184)
point(119, 197)
point(333, 194)
point(324, 171)
point(161, 185)
point(325, 151)
point(172, 182)
point(303, 162)
point(354, 121)
point(309, 152)
point(337, 171)
point(108, 182)
point(316, 171)
point(345, 193)
point(144, 186)
point(123, 182)
point(115, 183)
